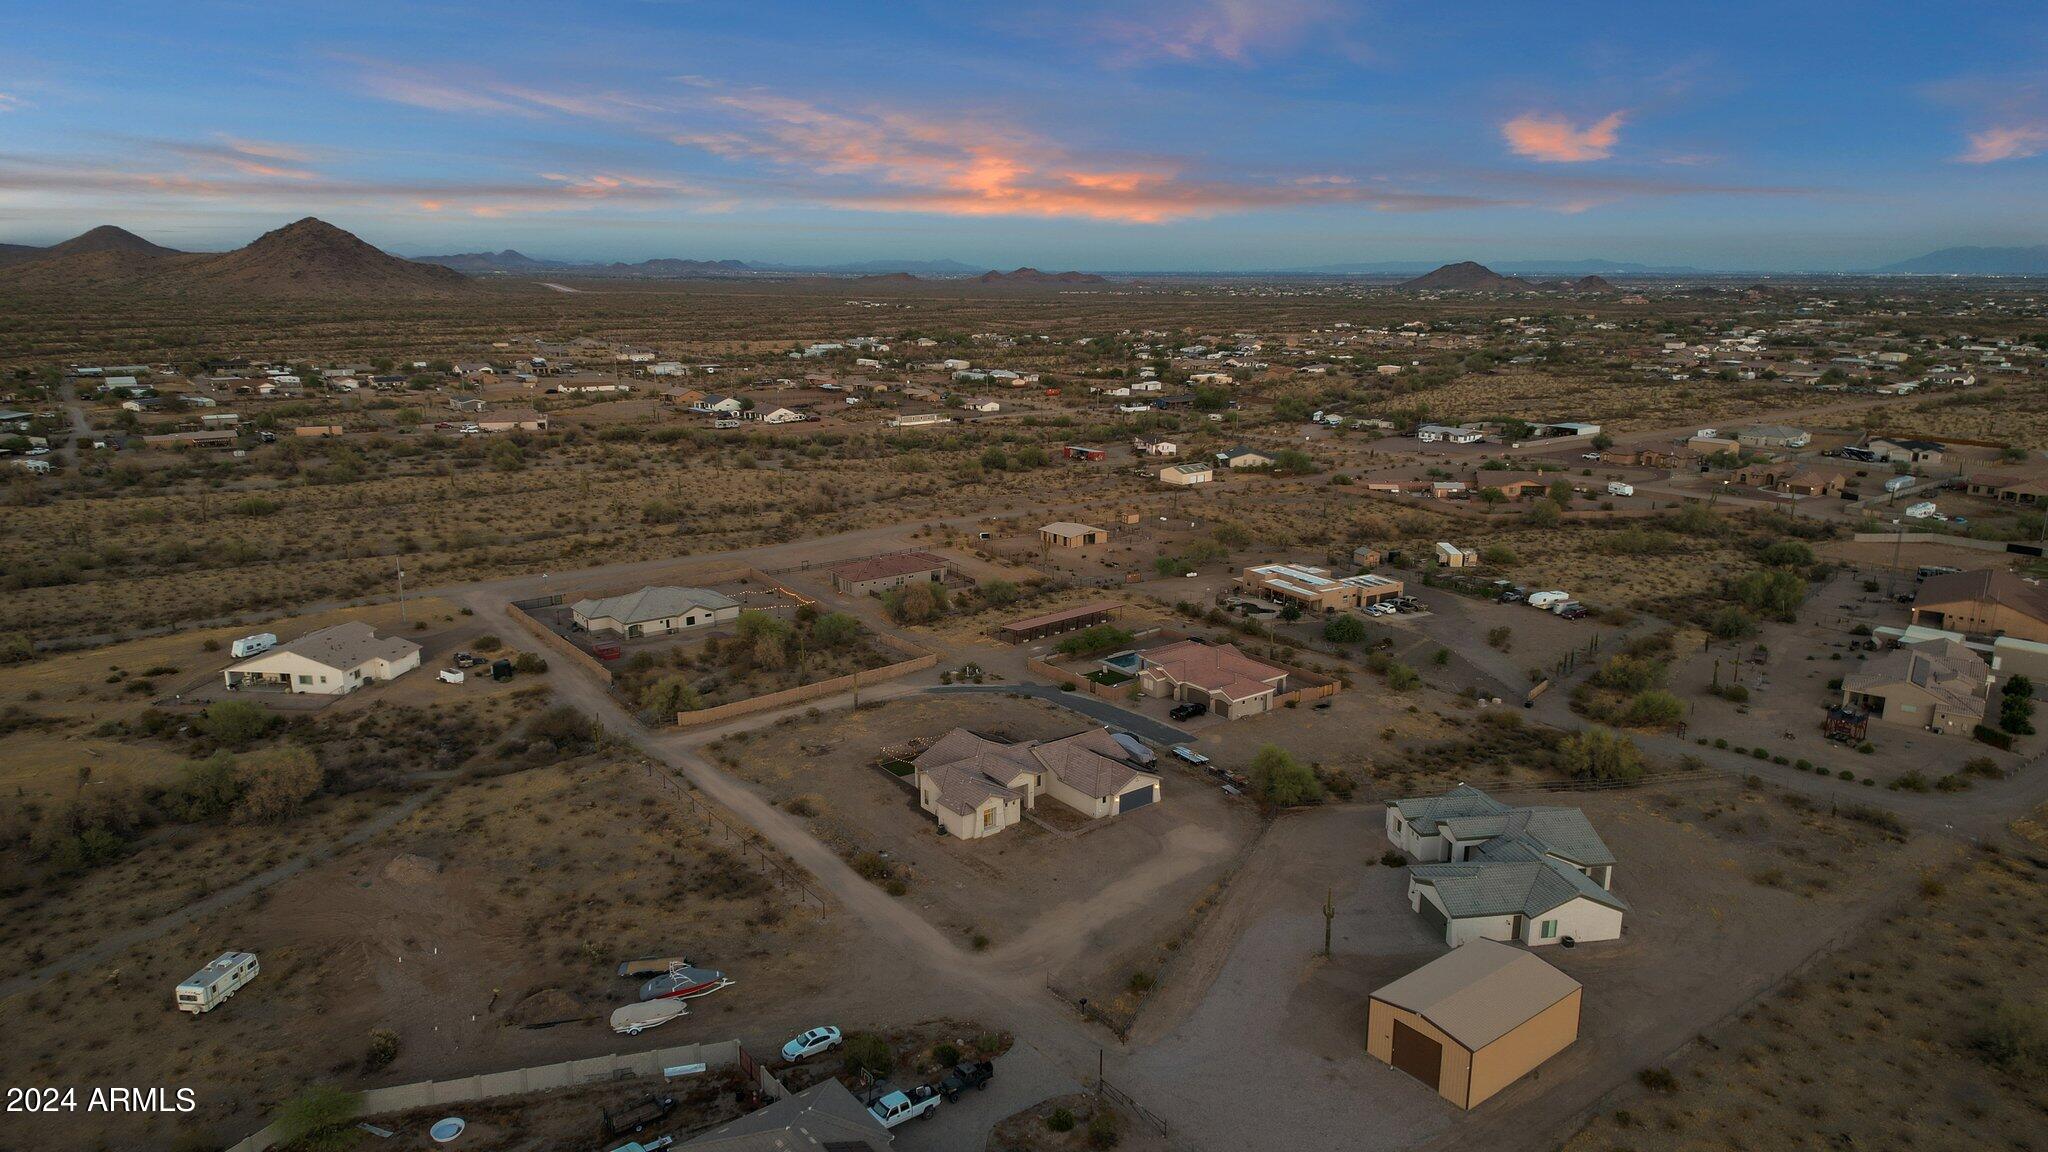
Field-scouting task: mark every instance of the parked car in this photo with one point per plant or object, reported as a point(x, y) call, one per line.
point(896, 1107)
point(1589, 456)
point(1189, 710)
point(1511, 596)
point(1575, 612)
point(811, 1043)
point(465, 660)
point(967, 1074)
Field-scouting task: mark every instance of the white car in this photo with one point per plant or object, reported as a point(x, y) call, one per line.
point(470, 429)
point(811, 1043)
point(39, 451)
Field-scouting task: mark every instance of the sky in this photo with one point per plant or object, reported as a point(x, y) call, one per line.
point(1145, 135)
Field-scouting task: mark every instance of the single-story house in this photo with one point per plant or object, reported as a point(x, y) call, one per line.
point(1987, 602)
point(1231, 683)
point(977, 404)
point(1812, 482)
point(977, 787)
point(1315, 588)
point(681, 397)
point(1487, 870)
point(655, 611)
point(512, 420)
point(824, 1116)
point(218, 438)
point(1513, 485)
point(1442, 433)
point(1473, 1021)
point(1938, 684)
point(1906, 451)
point(883, 573)
point(1772, 436)
point(1067, 534)
point(1146, 446)
point(1182, 475)
point(1241, 457)
point(2027, 490)
point(783, 416)
point(720, 405)
point(329, 662)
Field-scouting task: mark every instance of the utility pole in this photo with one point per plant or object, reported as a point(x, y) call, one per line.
point(401, 596)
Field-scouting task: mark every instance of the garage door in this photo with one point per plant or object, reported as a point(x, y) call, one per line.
point(1417, 1055)
point(1435, 918)
point(1139, 799)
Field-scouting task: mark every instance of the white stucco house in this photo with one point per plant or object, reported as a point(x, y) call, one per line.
point(977, 787)
point(1487, 870)
point(330, 662)
point(655, 611)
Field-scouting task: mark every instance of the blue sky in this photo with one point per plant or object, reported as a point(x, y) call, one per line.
point(1148, 134)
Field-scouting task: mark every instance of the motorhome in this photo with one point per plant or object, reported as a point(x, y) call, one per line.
point(1617, 488)
point(205, 989)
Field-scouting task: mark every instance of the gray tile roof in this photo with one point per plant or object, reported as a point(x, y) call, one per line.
point(825, 1115)
point(343, 646)
point(1467, 814)
point(1505, 888)
point(654, 603)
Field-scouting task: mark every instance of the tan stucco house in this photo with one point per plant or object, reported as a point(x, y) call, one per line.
point(976, 787)
point(1231, 683)
point(1472, 1022)
point(1067, 534)
point(1988, 602)
point(330, 662)
point(1939, 684)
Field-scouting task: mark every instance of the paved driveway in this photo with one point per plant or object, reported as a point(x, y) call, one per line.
point(1023, 1077)
point(1094, 707)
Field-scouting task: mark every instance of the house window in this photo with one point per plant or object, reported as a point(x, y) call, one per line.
point(305, 679)
point(1549, 930)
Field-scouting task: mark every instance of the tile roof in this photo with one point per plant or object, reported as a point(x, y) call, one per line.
point(1991, 585)
point(824, 1115)
point(1509, 887)
point(1215, 668)
point(653, 603)
point(969, 768)
point(1091, 763)
point(1955, 676)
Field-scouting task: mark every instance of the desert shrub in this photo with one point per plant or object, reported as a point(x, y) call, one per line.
point(2016, 1037)
point(1731, 623)
point(235, 723)
point(1061, 1120)
point(1102, 1127)
point(320, 1119)
point(835, 630)
point(1601, 754)
point(1787, 554)
point(487, 643)
point(1629, 674)
point(383, 1049)
point(1401, 677)
point(275, 783)
point(670, 695)
point(1654, 709)
point(867, 1053)
point(1279, 779)
point(530, 663)
point(1774, 592)
point(1094, 640)
point(1344, 629)
point(1658, 1079)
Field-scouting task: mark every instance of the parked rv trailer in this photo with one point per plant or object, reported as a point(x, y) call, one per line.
point(207, 988)
point(249, 646)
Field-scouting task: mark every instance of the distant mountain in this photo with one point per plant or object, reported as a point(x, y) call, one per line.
point(1034, 276)
point(1466, 276)
point(884, 278)
point(1591, 284)
point(878, 268)
point(307, 258)
point(506, 261)
point(1975, 262)
point(105, 238)
point(1512, 268)
point(672, 269)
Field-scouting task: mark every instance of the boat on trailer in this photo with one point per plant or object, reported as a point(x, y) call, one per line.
point(683, 982)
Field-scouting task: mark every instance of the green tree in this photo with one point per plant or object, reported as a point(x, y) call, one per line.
point(320, 1119)
point(670, 695)
point(997, 593)
point(276, 783)
point(1344, 628)
point(1787, 554)
point(1774, 592)
point(1655, 708)
point(865, 1053)
point(835, 630)
point(1281, 780)
point(235, 723)
point(1601, 754)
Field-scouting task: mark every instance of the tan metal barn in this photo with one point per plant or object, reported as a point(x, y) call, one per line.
point(1470, 1023)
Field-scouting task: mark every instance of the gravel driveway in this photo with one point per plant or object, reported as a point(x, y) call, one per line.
point(1023, 1077)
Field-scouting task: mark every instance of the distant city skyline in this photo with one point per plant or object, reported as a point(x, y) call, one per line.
point(1191, 135)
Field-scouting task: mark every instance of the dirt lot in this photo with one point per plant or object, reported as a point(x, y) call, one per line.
point(1893, 1042)
point(1727, 889)
point(1027, 895)
point(526, 885)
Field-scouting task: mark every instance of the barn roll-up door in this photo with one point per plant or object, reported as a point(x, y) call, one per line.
point(1417, 1055)
point(1438, 922)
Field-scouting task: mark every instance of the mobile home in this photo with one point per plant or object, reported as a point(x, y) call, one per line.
point(205, 989)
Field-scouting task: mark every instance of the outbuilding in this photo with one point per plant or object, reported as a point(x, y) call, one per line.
point(1067, 534)
point(1472, 1022)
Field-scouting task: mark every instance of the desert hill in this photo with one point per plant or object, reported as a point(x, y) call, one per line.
point(307, 258)
point(1034, 276)
point(1465, 276)
point(105, 238)
point(510, 260)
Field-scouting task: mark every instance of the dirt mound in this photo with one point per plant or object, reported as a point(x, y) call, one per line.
point(546, 1007)
point(408, 868)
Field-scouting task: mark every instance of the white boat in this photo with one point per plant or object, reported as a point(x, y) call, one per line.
point(683, 982)
point(634, 1019)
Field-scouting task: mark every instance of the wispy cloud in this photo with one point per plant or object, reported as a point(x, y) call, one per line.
point(249, 157)
point(2006, 142)
point(1553, 139)
point(11, 103)
point(1234, 31)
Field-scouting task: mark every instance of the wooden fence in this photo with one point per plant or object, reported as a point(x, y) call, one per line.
point(557, 643)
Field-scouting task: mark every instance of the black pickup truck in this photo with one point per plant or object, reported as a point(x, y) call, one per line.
point(965, 1075)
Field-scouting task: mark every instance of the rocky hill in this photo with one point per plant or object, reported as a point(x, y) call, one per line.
point(307, 258)
point(1466, 276)
point(1034, 276)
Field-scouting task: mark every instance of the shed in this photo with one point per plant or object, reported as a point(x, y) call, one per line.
point(1051, 623)
point(1474, 1021)
point(1067, 534)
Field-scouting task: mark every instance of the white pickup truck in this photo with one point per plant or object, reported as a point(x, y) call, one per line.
point(896, 1107)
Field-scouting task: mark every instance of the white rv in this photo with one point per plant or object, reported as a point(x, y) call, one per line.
point(249, 646)
point(1617, 488)
point(206, 988)
point(1547, 600)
